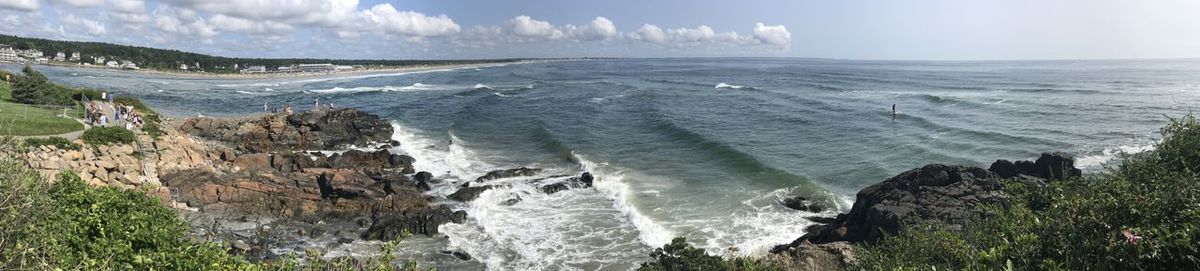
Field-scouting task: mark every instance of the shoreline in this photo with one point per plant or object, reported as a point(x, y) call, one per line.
point(304, 75)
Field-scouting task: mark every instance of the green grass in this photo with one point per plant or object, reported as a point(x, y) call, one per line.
point(25, 120)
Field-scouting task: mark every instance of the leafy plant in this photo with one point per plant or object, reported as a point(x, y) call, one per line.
point(107, 135)
point(58, 142)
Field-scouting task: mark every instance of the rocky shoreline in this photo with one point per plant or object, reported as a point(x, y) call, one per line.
point(934, 193)
point(273, 182)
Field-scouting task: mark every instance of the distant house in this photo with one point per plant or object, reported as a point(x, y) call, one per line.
point(254, 69)
point(128, 65)
point(286, 69)
point(99, 60)
point(41, 60)
point(316, 67)
point(8, 54)
point(31, 53)
point(75, 56)
point(183, 67)
point(60, 56)
point(343, 67)
point(112, 64)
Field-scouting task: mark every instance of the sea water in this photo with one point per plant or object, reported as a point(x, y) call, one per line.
point(698, 148)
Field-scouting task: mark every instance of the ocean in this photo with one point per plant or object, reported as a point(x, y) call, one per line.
point(698, 148)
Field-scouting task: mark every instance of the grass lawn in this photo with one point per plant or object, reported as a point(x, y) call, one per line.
point(26, 120)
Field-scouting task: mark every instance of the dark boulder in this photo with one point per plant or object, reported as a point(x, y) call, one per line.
point(423, 176)
point(377, 159)
point(509, 173)
point(469, 193)
point(314, 129)
point(413, 221)
point(1049, 166)
point(583, 181)
point(804, 204)
point(933, 192)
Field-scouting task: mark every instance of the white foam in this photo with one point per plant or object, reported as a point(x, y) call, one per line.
point(481, 87)
point(499, 94)
point(724, 85)
point(1107, 155)
point(612, 184)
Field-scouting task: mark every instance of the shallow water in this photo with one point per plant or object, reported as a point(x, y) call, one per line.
point(703, 148)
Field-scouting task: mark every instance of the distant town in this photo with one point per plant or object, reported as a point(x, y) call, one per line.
point(22, 50)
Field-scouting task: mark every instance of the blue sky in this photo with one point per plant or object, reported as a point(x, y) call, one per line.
point(918, 29)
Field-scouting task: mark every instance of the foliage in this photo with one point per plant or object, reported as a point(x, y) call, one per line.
point(1141, 215)
point(162, 59)
point(35, 88)
point(29, 120)
point(107, 135)
point(58, 142)
point(679, 255)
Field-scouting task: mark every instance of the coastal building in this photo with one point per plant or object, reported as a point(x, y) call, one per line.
point(41, 60)
point(327, 67)
point(8, 54)
point(112, 64)
point(285, 69)
point(75, 56)
point(183, 67)
point(99, 60)
point(343, 67)
point(128, 65)
point(254, 69)
point(60, 56)
point(31, 53)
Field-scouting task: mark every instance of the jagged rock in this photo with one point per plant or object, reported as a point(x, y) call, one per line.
point(466, 194)
point(253, 161)
point(1049, 166)
point(509, 173)
point(417, 221)
point(423, 176)
point(377, 159)
point(583, 181)
point(804, 204)
point(458, 254)
point(314, 129)
point(933, 192)
point(808, 256)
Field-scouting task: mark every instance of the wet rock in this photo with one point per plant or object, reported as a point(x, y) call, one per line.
point(469, 193)
point(458, 254)
point(1049, 166)
point(585, 180)
point(416, 221)
point(804, 204)
point(509, 173)
point(423, 176)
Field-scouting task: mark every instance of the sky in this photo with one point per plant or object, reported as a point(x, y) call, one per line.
point(457, 29)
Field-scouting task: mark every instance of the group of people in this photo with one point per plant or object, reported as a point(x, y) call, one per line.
point(97, 115)
point(287, 109)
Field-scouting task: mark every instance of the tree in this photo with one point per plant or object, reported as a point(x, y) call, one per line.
point(35, 88)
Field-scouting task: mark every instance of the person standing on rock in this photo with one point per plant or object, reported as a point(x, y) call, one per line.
point(317, 103)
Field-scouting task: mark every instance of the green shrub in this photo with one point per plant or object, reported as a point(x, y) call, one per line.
point(35, 88)
point(1075, 224)
point(107, 135)
point(679, 255)
point(58, 142)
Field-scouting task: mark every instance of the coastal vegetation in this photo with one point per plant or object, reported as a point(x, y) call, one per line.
point(164, 59)
point(107, 135)
point(57, 142)
point(20, 119)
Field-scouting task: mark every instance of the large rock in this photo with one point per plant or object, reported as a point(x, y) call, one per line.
point(469, 193)
point(314, 129)
point(377, 159)
point(583, 181)
point(417, 221)
point(509, 173)
point(809, 256)
point(1049, 166)
point(933, 192)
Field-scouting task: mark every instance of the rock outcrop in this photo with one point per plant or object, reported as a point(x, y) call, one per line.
point(314, 129)
point(416, 221)
point(935, 192)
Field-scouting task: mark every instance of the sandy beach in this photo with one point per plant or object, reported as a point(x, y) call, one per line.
point(302, 75)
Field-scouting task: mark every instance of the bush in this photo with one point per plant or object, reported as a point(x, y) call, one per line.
point(35, 88)
point(1141, 215)
point(107, 135)
point(58, 142)
point(679, 255)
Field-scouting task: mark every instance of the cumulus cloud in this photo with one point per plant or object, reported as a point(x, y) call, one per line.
point(408, 23)
point(21, 5)
point(526, 26)
point(649, 33)
point(127, 6)
point(92, 27)
point(78, 3)
point(700, 33)
point(599, 29)
point(776, 35)
point(220, 22)
point(313, 12)
point(183, 23)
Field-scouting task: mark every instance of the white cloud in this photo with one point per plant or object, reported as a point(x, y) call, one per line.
point(92, 27)
point(221, 22)
point(410, 24)
point(777, 35)
point(599, 29)
point(315, 12)
point(79, 3)
point(184, 24)
point(22, 5)
point(698, 34)
point(526, 26)
point(649, 33)
point(128, 6)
